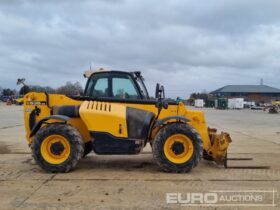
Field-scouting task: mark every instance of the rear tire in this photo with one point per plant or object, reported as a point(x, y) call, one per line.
point(57, 148)
point(183, 157)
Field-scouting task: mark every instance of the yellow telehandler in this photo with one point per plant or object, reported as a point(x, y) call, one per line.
point(115, 115)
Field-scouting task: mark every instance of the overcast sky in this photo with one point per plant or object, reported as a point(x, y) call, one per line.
point(189, 46)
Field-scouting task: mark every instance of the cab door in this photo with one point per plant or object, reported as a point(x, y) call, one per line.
point(123, 87)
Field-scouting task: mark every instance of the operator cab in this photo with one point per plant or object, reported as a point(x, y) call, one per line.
point(116, 85)
point(123, 87)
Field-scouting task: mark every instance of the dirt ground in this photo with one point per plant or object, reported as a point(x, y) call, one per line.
point(135, 182)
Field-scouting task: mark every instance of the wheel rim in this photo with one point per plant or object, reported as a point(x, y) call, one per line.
point(55, 149)
point(178, 148)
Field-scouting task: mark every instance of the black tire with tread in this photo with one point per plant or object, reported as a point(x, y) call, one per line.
point(76, 147)
point(162, 136)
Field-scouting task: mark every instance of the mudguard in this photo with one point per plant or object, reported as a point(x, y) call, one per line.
point(173, 117)
point(38, 125)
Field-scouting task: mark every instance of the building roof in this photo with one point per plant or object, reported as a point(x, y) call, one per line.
point(247, 89)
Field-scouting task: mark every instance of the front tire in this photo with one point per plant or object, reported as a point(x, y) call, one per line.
point(177, 147)
point(57, 148)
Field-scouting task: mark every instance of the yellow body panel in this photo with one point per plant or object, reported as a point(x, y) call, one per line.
point(32, 100)
point(105, 117)
point(19, 100)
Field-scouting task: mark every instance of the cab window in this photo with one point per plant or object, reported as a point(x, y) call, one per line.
point(124, 88)
point(98, 87)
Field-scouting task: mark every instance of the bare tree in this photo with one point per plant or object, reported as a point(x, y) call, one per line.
point(78, 88)
point(35, 88)
point(70, 89)
point(24, 89)
point(7, 92)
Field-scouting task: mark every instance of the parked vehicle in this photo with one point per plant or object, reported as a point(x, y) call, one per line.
point(210, 103)
point(199, 103)
point(236, 103)
point(5, 98)
point(221, 103)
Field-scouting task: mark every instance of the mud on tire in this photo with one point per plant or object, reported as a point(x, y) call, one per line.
point(74, 139)
point(160, 139)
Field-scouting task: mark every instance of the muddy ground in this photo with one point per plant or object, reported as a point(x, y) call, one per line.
point(135, 182)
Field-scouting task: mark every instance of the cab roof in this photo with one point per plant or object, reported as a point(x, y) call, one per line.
point(89, 73)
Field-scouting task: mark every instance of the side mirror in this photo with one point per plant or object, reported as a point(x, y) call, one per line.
point(160, 94)
point(157, 90)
